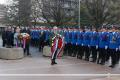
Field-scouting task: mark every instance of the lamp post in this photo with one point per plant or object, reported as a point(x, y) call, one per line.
point(79, 14)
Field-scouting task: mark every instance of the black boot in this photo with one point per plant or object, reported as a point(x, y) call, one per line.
point(112, 66)
point(53, 62)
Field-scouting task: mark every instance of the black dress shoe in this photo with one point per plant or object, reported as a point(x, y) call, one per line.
point(55, 63)
point(102, 63)
point(29, 55)
point(52, 63)
point(78, 57)
point(112, 66)
point(86, 59)
point(93, 61)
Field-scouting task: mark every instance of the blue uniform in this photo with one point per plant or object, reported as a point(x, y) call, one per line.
point(35, 34)
point(113, 40)
point(74, 37)
point(118, 40)
point(47, 35)
point(80, 38)
point(70, 37)
point(104, 39)
point(94, 39)
point(66, 36)
point(31, 34)
point(113, 47)
point(103, 46)
point(87, 38)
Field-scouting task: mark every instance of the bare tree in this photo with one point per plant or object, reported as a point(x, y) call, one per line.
point(24, 12)
point(36, 13)
point(101, 12)
point(11, 14)
point(18, 13)
point(57, 13)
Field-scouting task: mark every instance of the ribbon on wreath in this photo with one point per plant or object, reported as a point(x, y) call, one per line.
point(16, 44)
point(24, 42)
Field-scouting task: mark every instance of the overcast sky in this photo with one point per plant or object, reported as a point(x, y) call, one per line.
point(5, 1)
point(2, 1)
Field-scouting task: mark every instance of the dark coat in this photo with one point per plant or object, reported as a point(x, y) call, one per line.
point(9, 38)
point(4, 36)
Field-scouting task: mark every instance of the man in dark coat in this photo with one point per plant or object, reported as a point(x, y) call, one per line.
point(4, 36)
point(9, 37)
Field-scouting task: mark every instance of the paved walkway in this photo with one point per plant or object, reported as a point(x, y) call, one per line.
point(37, 64)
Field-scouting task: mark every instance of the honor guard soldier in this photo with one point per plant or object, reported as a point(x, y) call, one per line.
point(47, 36)
point(74, 41)
point(118, 52)
point(42, 40)
point(80, 44)
point(86, 43)
point(70, 43)
point(32, 34)
point(94, 44)
point(103, 46)
point(113, 47)
point(66, 38)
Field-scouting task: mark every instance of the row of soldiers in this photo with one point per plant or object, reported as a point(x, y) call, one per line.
point(93, 45)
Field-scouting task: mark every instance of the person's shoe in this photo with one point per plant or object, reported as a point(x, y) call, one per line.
point(55, 63)
point(52, 63)
point(91, 61)
point(98, 62)
point(112, 66)
point(117, 62)
point(86, 59)
point(29, 55)
point(78, 57)
point(74, 55)
point(102, 63)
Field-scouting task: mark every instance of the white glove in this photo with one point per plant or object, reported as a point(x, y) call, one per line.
point(116, 49)
point(76, 44)
point(106, 47)
point(119, 47)
point(88, 45)
point(82, 44)
point(96, 46)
